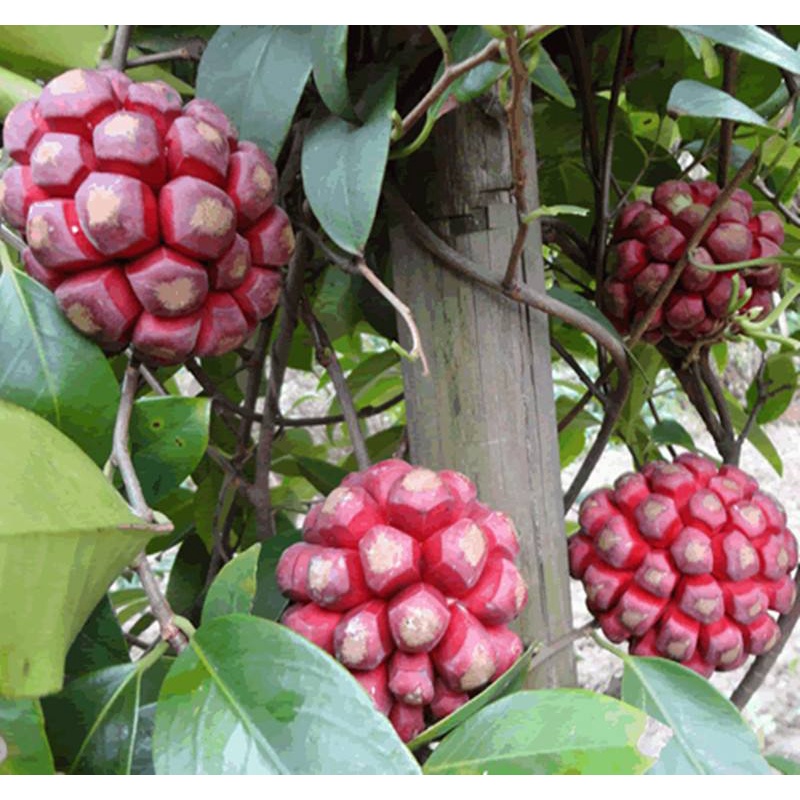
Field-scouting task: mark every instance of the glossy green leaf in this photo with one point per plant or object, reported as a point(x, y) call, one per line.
point(753, 40)
point(187, 578)
point(670, 431)
point(784, 765)
point(279, 705)
point(99, 644)
point(256, 74)
point(696, 99)
point(502, 686)
point(757, 436)
point(551, 732)
point(709, 735)
point(780, 385)
point(24, 749)
point(329, 52)
point(343, 166)
point(14, 89)
point(547, 77)
point(368, 371)
point(49, 368)
point(65, 534)
point(178, 508)
point(94, 724)
point(169, 436)
point(583, 305)
point(234, 587)
point(320, 474)
point(269, 601)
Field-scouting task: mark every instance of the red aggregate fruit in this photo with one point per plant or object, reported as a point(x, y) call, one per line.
point(109, 174)
point(684, 560)
point(650, 239)
point(410, 582)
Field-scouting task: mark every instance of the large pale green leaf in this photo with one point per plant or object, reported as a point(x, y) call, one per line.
point(14, 89)
point(64, 535)
point(696, 99)
point(343, 166)
point(709, 735)
point(551, 732)
point(256, 74)
point(752, 40)
point(329, 50)
point(234, 588)
point(168, 438)
point(24, 749)
point(49, 368)
point(96, 724)
point(278, 704)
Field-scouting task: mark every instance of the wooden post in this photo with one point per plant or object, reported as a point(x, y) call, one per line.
point(487, 409)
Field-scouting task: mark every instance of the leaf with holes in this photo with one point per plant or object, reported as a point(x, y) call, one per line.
point(169, 436)
point(279, 705)
point(48, 367)
point(343, 166)
point(256, 75)
point(709, 735)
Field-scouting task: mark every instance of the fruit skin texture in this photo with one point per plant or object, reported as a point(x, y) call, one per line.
point(649, 240)
point(113, 175)
point(694, 586)
point(409, 582)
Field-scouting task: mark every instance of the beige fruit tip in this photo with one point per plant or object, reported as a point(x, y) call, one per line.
point(125, 125)
point(480, 670)
point(421, 480)
point(419, 626)
point(81, 317)
point(212, 217)
point(70, 82)
point(262, 181)
point(175, 294)
point(103, 207)
point(38, 233)
point(473, 545)
point(384, 554)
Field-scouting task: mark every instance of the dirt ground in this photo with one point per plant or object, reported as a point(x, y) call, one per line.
point(774, 711)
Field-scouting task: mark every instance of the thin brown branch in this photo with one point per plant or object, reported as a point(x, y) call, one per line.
point(727, 443)
point(417, 351)
point(582, 69)
point(730, 63)
point(578, 370)
point(463, 266)
point(773, 198)
point(190, 51)
point(152, 381)
point(122, 42)
point(290, 299)
point(332, 419)
point(761, 667)
point(515, 112)
point(657, 419)
point(133, 488)
point(547, 651)
point(326, 356)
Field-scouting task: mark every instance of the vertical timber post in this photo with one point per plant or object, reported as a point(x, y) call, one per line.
point(487, 408)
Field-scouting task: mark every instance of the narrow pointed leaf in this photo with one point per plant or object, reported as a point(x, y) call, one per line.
point(551, 732)
point(279, 705)
point(709, 735)
point(695, 99)
point(547, 77)
point(234, 588)
point(256, 74)
point(49, 368)
point(329, 51)
point(343, 165)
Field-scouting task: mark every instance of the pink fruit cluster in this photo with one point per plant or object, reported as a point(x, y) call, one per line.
point(409, 581)
point(685, 559)
point(149, 220)
point(651, 237)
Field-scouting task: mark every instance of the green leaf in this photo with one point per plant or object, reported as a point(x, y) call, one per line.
point(551, 732)
point(709, 735)
point(695, 99)
point(584, 306)
point(670, 431)
point(234, 588)
point(752, 40)
point(503, 685)
point(94, 725)
point(269, 601)
point(187, 578)
point(784, 765)
point(321, 475)
point(169, 436)
point(279, 705)
point(780, 381)
point(758, 438)
point(256, 75)
point(329, 52)
point(48, 367)
point(343, 166)
point(555, 211)
point(547, 77)
point(24, 749)
point(100, 642)
point(368, 371)
point(65, 534)
point(14, 89)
